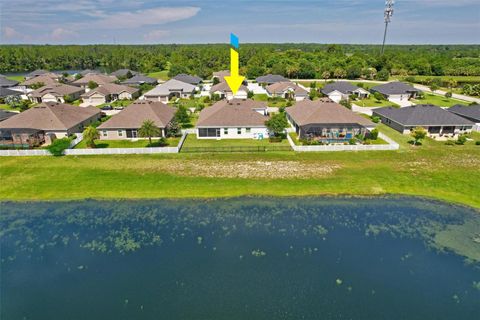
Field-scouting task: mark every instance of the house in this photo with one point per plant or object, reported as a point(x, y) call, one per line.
point(45, 80)
point(140, 79)
point(223, 90)
point(125, 125)
point(171, 89)
point(88, 71)
point(220, 75)
point(341, 90)
point(437, 121)
point(4, 114)
point(471, 113)
point(45, 123)
point(109, 92)
point(326, 121)
point(36, 73)
point(123, 73)
point(271, 78)
point(397, 91)
point(234, 119)
point(55, 93)
point(188, 79)
point(6, 92)
point(99, 79)
point(287, 90)
point(7, 83)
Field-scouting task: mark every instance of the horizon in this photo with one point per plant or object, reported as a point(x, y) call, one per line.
point(126, 22)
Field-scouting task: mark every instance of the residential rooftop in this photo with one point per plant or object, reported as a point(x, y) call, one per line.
point(188, 78)
point(340, 86)
point(234, 113)
point(471, 112)
point(394, 88)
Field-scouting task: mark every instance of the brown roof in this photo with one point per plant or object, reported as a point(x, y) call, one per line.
point(45, 79)
point(50, 116)
point(221, 75)
point(58, 90)
point(97, 78)
point(280, 87)
point(324, 111)
point(224, 87)
point(133, 116)
point(233, 113)
point(110, 88)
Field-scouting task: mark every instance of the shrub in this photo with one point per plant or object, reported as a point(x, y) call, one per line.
point(352, 141)
point(461, 139)
point(346, 104)
point(374, 134)
point(448, 94)
point(477, 143)
point(410, 79)
point(59, 146)
point(378, 96)
point(376, 119)
point(383, 75)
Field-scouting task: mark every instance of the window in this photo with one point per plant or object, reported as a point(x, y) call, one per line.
point(225, 130)
point(120, 133)
point(208, 132)
point(104, 133)
point(248, 130)
point(239, 130)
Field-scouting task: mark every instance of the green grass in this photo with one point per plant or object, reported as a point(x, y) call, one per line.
point(162, 75)
point(366, 85)
point(459, 79)
point(101, 144)
point(16, 78)
point(192, 141)
point(433, 170)
point(294, 137)
point(6, 107)
point(439, 100)
point(117, 103)
point(372, 102)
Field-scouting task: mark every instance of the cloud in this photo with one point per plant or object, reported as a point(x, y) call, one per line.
point(10, 33)
point(155, 35)
point(59, 34)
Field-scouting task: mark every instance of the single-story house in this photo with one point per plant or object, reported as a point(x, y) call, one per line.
point(471, 113)
point(46, 122)
point(46, 80)
point(123, 73)
point(55, 93)
point(99, 79)
point(437, 121)
point(140, 79)
point(327, 121)
point(271, 78)
point(4, 114)
point(220, 75)
point(36, 73)
point(397, 91)
point(109, 92)
point(88, 71)
point(341, 90)
point(233, 119)
point(171, 89)
point(6, 92)
point(125, 125)
point(287, 90)
point(188, 79)
point(7, 83)
point(223, 90)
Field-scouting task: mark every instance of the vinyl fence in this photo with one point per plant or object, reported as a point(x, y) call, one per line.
point(235, 149)
point(392, 145)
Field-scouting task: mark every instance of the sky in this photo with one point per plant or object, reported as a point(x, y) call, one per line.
point(211, 21)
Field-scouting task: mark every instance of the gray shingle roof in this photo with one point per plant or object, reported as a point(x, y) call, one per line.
point(271, 78)
point(171, 85)
point(37, 72)
point(4, 114)
point(188, 78)
point(140, 79)
point(123, 73)
point(341, 86)
point(5, 92)
point(471, 112)
point(394, 88)
point(422, 115)
point(4, 82)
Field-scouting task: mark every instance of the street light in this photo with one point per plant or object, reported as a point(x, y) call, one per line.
point(388, 13)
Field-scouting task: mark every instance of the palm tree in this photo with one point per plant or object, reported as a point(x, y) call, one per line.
point(90, 134)
point(326, 75)
point(339, 73)
point(149, 130)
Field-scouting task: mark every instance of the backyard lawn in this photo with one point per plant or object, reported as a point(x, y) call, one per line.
point(16, 78)
point(117, 103)
point(6, 107)
point(162, 75)
point(439, 100)
point(372, 102)
point(192, 141)
point(271, 102)
point(143, 143)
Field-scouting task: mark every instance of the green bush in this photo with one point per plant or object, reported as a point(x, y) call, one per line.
point(477, 143)
point(59, 146)
point(352, 141)
point(374, 134)
point(375, 119)
point(461, 140)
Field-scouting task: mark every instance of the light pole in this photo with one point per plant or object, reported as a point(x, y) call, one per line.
point(388, 15)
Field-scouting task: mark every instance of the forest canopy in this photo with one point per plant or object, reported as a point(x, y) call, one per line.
point(302, 61)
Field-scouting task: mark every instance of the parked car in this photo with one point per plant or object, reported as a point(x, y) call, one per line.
point(106, 108)
point(118, 108)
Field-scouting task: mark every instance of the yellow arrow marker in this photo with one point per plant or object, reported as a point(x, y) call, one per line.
point(234, 81)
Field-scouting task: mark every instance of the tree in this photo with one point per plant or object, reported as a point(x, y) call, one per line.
point(182, 116)
point(277, 123)
point(339, 73)
point(216, 81)
point(90, 134)
point(326, 75)
point(148, 130)
point(435, 84)
point(383, 75)
point(92, 85)
point(173, 129)
point(448, 94)
point(418, 134)
point(378, 96)
point(374, 134)
point(68, 98)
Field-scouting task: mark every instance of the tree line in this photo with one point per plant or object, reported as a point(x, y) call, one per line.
point(302, 61)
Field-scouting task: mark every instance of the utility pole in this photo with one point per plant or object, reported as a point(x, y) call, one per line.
point(388, 15)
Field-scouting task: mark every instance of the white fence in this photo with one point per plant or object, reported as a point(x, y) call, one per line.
point(392, 145)
point(85, 152)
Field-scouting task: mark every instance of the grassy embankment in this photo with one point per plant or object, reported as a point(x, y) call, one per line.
point(432, 170)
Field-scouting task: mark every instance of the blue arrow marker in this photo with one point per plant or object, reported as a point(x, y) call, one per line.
point(234, 40)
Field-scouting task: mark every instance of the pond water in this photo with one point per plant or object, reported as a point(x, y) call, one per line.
point(243, 258)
